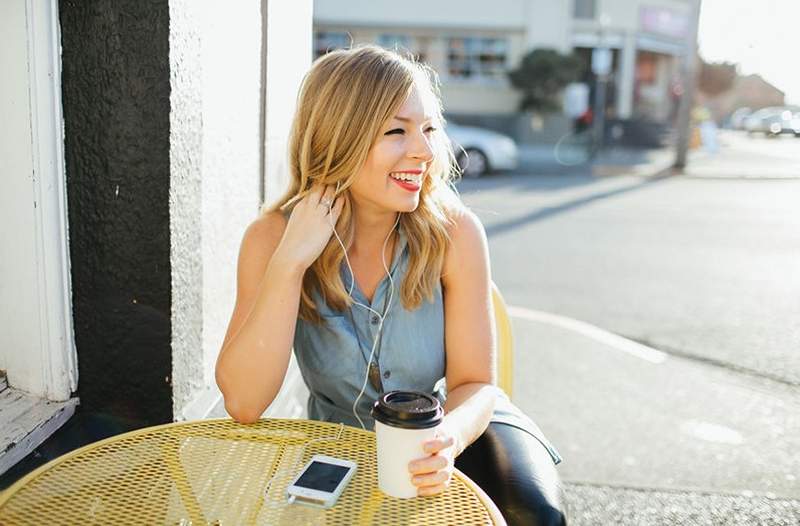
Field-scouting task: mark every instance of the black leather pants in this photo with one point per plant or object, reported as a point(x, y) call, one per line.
point(518, 474)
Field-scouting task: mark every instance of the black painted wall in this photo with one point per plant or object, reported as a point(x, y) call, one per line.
point(116, 112)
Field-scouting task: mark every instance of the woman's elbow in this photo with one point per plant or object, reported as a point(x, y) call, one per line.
point(242, 415)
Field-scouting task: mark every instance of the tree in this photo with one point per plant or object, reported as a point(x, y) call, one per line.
point(541, 76)
point(716, 78)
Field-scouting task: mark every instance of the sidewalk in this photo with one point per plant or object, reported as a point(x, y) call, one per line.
point(540, 159)
point(652, 438)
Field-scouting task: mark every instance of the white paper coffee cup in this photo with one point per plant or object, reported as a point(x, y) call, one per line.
point(404, 420)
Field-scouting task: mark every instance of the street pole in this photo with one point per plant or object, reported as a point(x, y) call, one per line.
point(689, 80)
point(601, 67)
point(600, 113)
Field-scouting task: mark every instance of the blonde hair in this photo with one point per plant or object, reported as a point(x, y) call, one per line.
point(344, 101)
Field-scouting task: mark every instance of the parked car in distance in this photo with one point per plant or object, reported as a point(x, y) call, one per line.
point(770, 121)
point(480, 151)
point(737, 118)
point(794, 125)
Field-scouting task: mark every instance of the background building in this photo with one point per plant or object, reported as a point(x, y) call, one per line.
point(473, 44)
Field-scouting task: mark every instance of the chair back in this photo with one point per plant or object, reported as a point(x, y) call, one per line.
point(505, 343)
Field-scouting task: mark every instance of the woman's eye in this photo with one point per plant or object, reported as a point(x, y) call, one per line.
point(402, 131)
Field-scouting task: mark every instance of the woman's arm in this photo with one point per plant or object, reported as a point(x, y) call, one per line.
point(470, 349)
point(272, 261)
point(469, 332)
point(255, 353)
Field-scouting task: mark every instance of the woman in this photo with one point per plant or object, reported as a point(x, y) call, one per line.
point(376, 274)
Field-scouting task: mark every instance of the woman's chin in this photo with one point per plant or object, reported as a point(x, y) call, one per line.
point(410, 205)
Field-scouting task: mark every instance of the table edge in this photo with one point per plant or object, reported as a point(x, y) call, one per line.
point(491, 507)
point(7, 493)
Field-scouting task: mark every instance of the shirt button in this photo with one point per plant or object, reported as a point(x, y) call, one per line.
point(387, 374)
point(375, 319)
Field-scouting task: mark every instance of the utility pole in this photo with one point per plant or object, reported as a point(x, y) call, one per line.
point(689, 81)
point(601, 67)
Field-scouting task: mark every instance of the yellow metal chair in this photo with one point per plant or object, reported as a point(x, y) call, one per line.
point(505, 343)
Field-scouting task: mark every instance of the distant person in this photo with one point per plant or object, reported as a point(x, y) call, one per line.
point(377, 275)
point(708, 128)
point(584, 121)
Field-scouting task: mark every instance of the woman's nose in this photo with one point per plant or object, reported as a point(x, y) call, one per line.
point(421, 147)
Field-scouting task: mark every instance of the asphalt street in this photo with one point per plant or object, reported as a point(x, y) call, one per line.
point(657, 341)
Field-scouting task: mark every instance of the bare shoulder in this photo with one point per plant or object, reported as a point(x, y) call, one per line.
point(468, 246)
point(266, 227)
point(261, 238)
point(465, 225)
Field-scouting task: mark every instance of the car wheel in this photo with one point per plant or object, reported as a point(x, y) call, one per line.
point(473, 163)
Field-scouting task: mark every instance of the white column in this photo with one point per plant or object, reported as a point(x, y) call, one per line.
point(288, 34)
point(228, 129)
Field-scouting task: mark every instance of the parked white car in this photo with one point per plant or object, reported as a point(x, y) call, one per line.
point(770, 121)
point(479, 151)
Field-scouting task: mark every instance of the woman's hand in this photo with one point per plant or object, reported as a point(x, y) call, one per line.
point(310, 227)
point(432, 474)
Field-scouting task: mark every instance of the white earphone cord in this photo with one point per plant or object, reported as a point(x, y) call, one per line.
point(381, 317)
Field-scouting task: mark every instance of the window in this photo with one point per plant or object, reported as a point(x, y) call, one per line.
point(585, 9)
point(476, 58)
point(398, 42)
point(325, 41)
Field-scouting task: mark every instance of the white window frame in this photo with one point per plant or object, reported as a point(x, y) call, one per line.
point(58, 357)
point(477, 79)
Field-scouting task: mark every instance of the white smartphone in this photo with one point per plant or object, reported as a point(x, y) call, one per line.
point(321, 481)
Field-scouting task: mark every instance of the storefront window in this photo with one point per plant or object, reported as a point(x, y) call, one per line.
point(403, 44)
point(475, 58)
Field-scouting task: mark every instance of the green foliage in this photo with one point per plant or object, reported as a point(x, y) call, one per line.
point(541, 76)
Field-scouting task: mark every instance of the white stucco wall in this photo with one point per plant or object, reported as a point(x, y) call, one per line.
point(215, 155)
point(220, 134)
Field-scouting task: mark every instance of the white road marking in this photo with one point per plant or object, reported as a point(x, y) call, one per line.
point(590, 331)
point(712, 432)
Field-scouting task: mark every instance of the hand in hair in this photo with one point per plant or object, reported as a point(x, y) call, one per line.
point(310, 227)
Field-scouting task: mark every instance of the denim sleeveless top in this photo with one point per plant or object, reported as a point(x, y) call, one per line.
point(332, 356)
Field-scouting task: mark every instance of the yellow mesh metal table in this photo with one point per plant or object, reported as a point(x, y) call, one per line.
point(225, 473)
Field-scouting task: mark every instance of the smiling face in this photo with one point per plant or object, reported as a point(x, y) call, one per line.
point(391, 178)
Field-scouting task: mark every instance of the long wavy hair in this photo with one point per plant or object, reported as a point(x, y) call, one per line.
point(344, 101)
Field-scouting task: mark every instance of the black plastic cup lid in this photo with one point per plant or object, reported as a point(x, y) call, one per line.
point(408, 410)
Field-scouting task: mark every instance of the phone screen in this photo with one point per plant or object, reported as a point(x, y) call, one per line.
point(322, 476)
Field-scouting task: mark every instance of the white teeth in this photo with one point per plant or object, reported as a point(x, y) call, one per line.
point(412, 178)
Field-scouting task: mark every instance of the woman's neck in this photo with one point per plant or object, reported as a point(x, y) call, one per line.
point(371, 230)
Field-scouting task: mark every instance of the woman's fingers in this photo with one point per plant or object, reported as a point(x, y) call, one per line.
point(325, 197)
point(428, 464)
point(431, 479)
point(336, 211)
point(428, 491)
point(438, 444)
point(316, 194)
